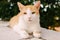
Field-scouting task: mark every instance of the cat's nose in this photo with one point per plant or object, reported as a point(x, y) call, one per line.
point(29, 17)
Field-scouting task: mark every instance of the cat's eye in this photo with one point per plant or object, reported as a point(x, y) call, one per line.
point(33, 12)
point(25, 13)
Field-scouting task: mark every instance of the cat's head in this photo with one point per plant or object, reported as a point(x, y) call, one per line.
point(29, 12)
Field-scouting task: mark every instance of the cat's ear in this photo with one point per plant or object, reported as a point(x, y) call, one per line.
point(21, 6)
point(37, 5)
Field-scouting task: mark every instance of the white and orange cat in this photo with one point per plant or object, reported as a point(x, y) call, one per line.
point(27, 20)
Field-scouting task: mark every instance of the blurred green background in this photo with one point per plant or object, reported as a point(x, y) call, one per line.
point(49, 11)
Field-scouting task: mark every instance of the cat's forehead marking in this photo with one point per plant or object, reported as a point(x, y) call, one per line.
point(28, 10)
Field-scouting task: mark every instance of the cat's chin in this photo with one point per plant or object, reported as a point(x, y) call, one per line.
point(29, 20)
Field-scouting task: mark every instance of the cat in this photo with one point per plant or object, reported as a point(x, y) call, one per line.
point(26, 22)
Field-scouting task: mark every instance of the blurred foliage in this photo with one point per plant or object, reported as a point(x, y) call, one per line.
point(50, 13)
point(49, 10)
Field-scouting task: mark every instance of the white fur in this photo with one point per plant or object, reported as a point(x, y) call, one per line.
point(25, 26)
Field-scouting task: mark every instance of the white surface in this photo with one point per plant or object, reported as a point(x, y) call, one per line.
point(50, 34)
point(7, 34)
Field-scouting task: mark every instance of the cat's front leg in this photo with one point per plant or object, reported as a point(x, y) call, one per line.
point(37, 31)
point(37, 34)
point(21, 33)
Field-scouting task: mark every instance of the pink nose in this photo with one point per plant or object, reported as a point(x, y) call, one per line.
point(29, 18)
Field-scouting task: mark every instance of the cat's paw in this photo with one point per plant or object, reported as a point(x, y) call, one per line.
point(25, 35)
point(37, 34)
